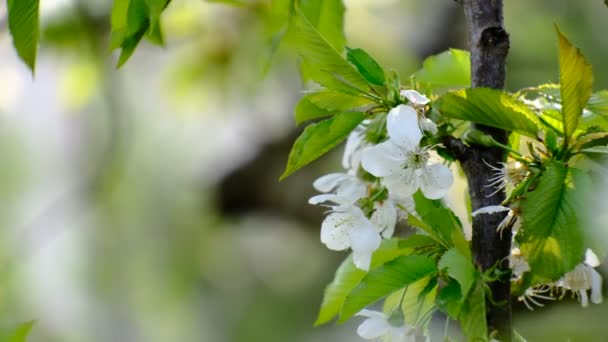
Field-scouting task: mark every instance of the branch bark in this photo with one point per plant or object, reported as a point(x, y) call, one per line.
point(489, 48)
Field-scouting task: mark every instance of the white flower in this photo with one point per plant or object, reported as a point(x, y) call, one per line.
point(404, 166)
point(583, 278)
point(517, 263)
point(491, 209)
point(346, 226)
point(533, 294)
point(351, 159)
point(511, 173)
point(377, 327)
point(344, 185)
point(418, 100)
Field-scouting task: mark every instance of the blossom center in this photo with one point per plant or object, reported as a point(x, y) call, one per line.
point(416, 158)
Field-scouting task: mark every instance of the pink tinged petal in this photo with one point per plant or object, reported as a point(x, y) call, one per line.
point(436, 181)
point(382, 160)
point(402, 126)
point(364, 240)
point(596, 287)
point(384, 218)
point(335, 230)
point(373, 328)
point(406, 183)
point(415, 97)
point(329, 182)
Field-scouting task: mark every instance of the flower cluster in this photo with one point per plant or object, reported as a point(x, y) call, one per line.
point(398, 166)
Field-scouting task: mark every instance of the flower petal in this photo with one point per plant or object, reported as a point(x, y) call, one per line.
point(373, 328)
point(372, 314)
point(404, 184)
point(436, 181)
point(428, 125)
point(491, 209)
point(329, 182)
point(383, 159)
point(384, 218)
point(352, 189)
point(364, 240)
point(402, 126)
point(596, 287)
point(415, 97)
point(354, 143)
point(335, 230)
point(591, 258)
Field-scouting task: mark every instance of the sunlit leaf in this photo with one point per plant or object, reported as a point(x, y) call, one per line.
point(450, 299)
point(327, 16)
point(319, 138)
point(448, 70)
point(348, 276)
point(551, 239)
point(489, 107)
point(18, 333)
point(576, 82)
point(386, 279)
point(460, 268)
point(419, 301)
point(23, 23)
point(472, 315)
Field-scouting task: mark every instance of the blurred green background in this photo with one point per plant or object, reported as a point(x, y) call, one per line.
point(142, 204)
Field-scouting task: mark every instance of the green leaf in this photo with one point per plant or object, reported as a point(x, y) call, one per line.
point(327, 102)
point(419, 302)
point(440, 223)
point(367, 66)
point(327, 16)
point(384, 280)
point(459, 268)
point(450, 299)
point(551, 239)
point(417, 241)
point(18, 333)
point(472, 314)
point(319, 138)
point(489, 107)
point(348, 276)
point(448, 70)
point(576, 82)
point(23, 23)
point(322, 63)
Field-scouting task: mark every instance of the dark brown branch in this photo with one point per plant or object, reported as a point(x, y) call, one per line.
point(489, 48)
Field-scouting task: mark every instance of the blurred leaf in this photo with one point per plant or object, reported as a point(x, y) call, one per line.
point(448, 70)
point(23, 23)
point(322, 63)
point(450, 299)
point(459, 268)
point(18, 333)
point(383, 280)
point(327, 102)
point(472, 314)
point(551, 239)
point(419, 301)
point(576, 82)
point(489, 107)
point(327, 16)
point(348, 276)
point(319, 138)
point(440, 223)
point(367, 66)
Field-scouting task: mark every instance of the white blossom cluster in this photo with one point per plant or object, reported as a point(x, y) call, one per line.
point(401, 167)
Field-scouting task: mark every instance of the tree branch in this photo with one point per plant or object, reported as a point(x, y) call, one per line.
point(489, 48)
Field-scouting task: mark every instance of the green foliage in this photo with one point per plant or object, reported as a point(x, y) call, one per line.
point(328, 102)
point(386, 279)
point(131, 20)
point(348, 276)
point(327, 17)
point(367, 66)
point(552, 241)
point(440, 223)
point(472, 315)
point(419, 301)
point(17, 333)
point(460, 268)
point(489, 107)
point(450, 299)
point(23, 23)
point(319, 138)
point(321, 61)
point(448, 70)
point(576, 82)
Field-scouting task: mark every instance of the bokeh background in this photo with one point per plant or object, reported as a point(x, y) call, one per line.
point(142, 204)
